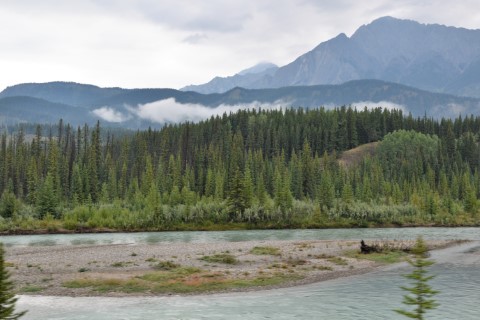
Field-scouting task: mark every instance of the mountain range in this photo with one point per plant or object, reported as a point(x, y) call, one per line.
point(426, 56)
point(136, 108)
point(421, 69)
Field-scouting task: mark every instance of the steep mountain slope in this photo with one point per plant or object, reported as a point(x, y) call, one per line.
point(430, 57)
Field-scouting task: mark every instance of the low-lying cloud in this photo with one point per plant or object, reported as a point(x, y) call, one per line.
point(171, 111)
point(110, 114)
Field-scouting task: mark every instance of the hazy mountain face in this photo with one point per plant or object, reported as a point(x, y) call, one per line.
point(259, 68)
point(137, 108)
point(430, 57)
point(70, 93)
point(248, 78)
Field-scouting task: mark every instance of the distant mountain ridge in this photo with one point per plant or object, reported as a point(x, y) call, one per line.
point(258, 68)
point(427, 56)
point(243, 79)
point(78, 103)
point(18, 109)
point(70, 93)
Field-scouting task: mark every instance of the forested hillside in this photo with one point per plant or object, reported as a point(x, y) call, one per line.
point(248, 169)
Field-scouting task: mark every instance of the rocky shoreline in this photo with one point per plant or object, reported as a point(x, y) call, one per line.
point(180, 268)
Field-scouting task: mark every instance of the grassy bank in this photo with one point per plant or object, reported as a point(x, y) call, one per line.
point(179, 280)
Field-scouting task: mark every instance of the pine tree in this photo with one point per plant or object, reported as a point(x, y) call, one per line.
point(283, 196)
point(297, 176)
point(175, 196)
point(188, 196)
point(326, 191)
point(112, 182)
point(470, 200)
point(148, 176)
point(236, 197)
point(307, 166)
point(210, 183)
point(421, 292)
point(7, 298)
point(153, 198)
point(248, 188)
point(347, 193)
point(261, 193)
point(94, 161)
point(47, 198)
point(219, 185)
point(122, 184)
point(352, 128)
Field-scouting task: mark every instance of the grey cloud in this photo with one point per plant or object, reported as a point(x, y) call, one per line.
point(195, 38)
point(213, 16)
point(190, 15)
point(329, 6)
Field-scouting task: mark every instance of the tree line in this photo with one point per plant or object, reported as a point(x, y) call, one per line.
point(259, 167)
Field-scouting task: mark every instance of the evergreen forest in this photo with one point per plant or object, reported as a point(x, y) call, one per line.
point(249, 169)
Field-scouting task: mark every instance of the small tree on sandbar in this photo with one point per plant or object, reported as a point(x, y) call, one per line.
point(420, 293)
point(7, 297)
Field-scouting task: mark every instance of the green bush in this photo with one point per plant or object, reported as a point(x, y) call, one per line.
point(220, 258)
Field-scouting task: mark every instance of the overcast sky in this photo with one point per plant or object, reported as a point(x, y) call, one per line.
point(173, 43)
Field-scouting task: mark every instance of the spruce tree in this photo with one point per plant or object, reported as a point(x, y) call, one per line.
point(420, 293)
point(210, 183)
point(248, 188)
point(47, 198)
point(236, 197)
point(7, 298)
point(326, 191)
point(347, 193)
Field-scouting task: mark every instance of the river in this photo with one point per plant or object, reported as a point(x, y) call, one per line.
point(370, 296)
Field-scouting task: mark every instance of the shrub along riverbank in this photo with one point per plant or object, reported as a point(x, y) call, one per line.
point(207, 217)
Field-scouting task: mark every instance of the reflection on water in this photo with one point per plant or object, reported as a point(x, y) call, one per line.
point(152, 238)
point(366, 297)
point(77, 242)
point(43, 242)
